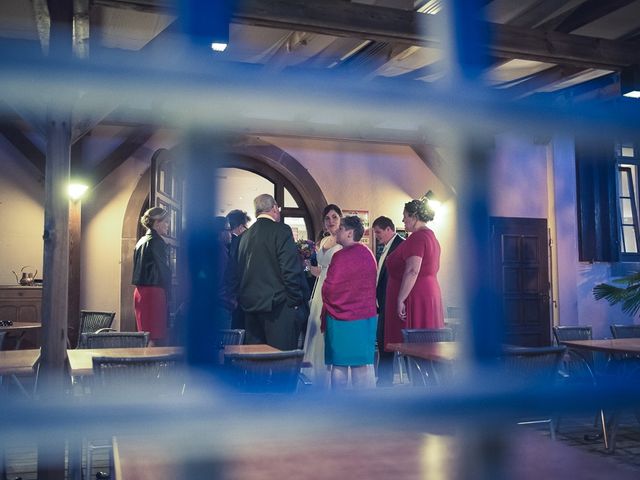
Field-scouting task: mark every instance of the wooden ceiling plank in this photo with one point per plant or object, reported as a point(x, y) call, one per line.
point(542, 79)
point(588, 12)
point(536, 13)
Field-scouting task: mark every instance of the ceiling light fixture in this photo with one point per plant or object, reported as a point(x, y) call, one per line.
point(630, 82)
point(218, 47)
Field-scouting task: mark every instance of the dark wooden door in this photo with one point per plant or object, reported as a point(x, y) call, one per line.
point(167, 189)
point(520, 273)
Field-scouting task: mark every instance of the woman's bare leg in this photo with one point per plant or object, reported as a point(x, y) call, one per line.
point(339, 376)
point(361, 377)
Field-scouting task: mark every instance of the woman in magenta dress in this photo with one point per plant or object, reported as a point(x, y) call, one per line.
point(413, 294)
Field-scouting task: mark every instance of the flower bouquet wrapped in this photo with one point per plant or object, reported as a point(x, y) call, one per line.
point(306, 250)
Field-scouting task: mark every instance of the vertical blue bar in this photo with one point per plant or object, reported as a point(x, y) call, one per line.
point(202, 272)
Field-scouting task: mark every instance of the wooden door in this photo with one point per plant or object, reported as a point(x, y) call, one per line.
point(167, 188)
point(520, 274)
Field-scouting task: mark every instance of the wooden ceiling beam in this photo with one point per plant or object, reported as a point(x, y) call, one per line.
point(346, 19)
point(588, 12)
point(26, 147)
point(43, 23)
point(136, 139)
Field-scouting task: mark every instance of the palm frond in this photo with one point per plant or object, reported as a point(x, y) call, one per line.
point(628, 296)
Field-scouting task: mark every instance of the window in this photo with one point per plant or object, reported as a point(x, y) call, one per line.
point(627, 192)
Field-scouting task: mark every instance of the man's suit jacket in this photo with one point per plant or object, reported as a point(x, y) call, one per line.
point(269, 268)
point(381, 287)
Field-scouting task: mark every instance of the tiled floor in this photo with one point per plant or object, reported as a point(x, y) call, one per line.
point(572, 430)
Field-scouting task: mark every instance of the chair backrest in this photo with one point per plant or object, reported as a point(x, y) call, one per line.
point(625, 331)
point(231, 337)
point(266, 372)
point(427, 335)
point(161, 375)
point(572, 333)
point(91, 321)
point(2, 335)
point(571, 364)
point(533, 364)
point(114, 340)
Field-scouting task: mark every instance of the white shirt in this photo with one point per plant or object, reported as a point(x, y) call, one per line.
point(383, 257)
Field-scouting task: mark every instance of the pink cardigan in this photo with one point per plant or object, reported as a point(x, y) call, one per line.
point(349, 291)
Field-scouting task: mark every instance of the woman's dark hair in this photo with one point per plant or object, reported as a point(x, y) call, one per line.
point(354, 223)
point(420, 209)
point(151, 215)
point(330, 207)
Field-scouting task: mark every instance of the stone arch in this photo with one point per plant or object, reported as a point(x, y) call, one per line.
point(251, 154)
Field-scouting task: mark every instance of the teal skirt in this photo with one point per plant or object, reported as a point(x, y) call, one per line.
point(350, 343)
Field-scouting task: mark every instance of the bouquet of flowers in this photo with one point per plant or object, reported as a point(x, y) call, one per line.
point(306, 249)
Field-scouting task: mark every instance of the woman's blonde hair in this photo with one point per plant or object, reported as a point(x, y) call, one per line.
point(151, 215)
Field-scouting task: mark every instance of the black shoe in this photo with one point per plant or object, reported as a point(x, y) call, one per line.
point(102, 476)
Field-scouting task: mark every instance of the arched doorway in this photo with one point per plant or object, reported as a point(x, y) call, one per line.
point(294, 188)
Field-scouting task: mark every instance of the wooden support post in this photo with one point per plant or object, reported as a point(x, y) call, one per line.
point(75, 237)
point(56, 280)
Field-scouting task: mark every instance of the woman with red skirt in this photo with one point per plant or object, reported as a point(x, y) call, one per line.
point(152, 276)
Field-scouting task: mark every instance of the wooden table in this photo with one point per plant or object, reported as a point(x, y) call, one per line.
point(18, 362)
point(81, 363)
point(347, 454)
point(610, 346)
point(436, 352)
point(613, 345)
point(15, 363)
point(20, 328)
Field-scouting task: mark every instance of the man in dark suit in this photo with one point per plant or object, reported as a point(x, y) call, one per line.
point(269, 272)
point(238, 220)
point(385, 232)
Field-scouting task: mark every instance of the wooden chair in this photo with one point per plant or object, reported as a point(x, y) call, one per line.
point(423, 372)
point(114, 340)
point(277, 372)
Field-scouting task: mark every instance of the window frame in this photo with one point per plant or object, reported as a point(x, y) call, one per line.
point(620, 162)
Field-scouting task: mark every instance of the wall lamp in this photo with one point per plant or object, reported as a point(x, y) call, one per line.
point(76, 190)
point(630, 81)
point(432, 202)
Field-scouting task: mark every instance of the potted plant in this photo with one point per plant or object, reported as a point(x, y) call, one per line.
point(627, 293)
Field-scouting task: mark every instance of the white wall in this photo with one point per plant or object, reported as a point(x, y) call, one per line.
point(380, 178)
point(21, 215)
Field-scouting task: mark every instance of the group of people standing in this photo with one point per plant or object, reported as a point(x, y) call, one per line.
point(357, 299)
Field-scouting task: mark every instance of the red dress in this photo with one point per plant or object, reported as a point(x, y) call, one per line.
point(424, 303)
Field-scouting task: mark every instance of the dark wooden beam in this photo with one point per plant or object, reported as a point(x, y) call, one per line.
point(346, 19)
point(436, 164)
point(136, 139)
point(588, 12)
point(25, 146)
